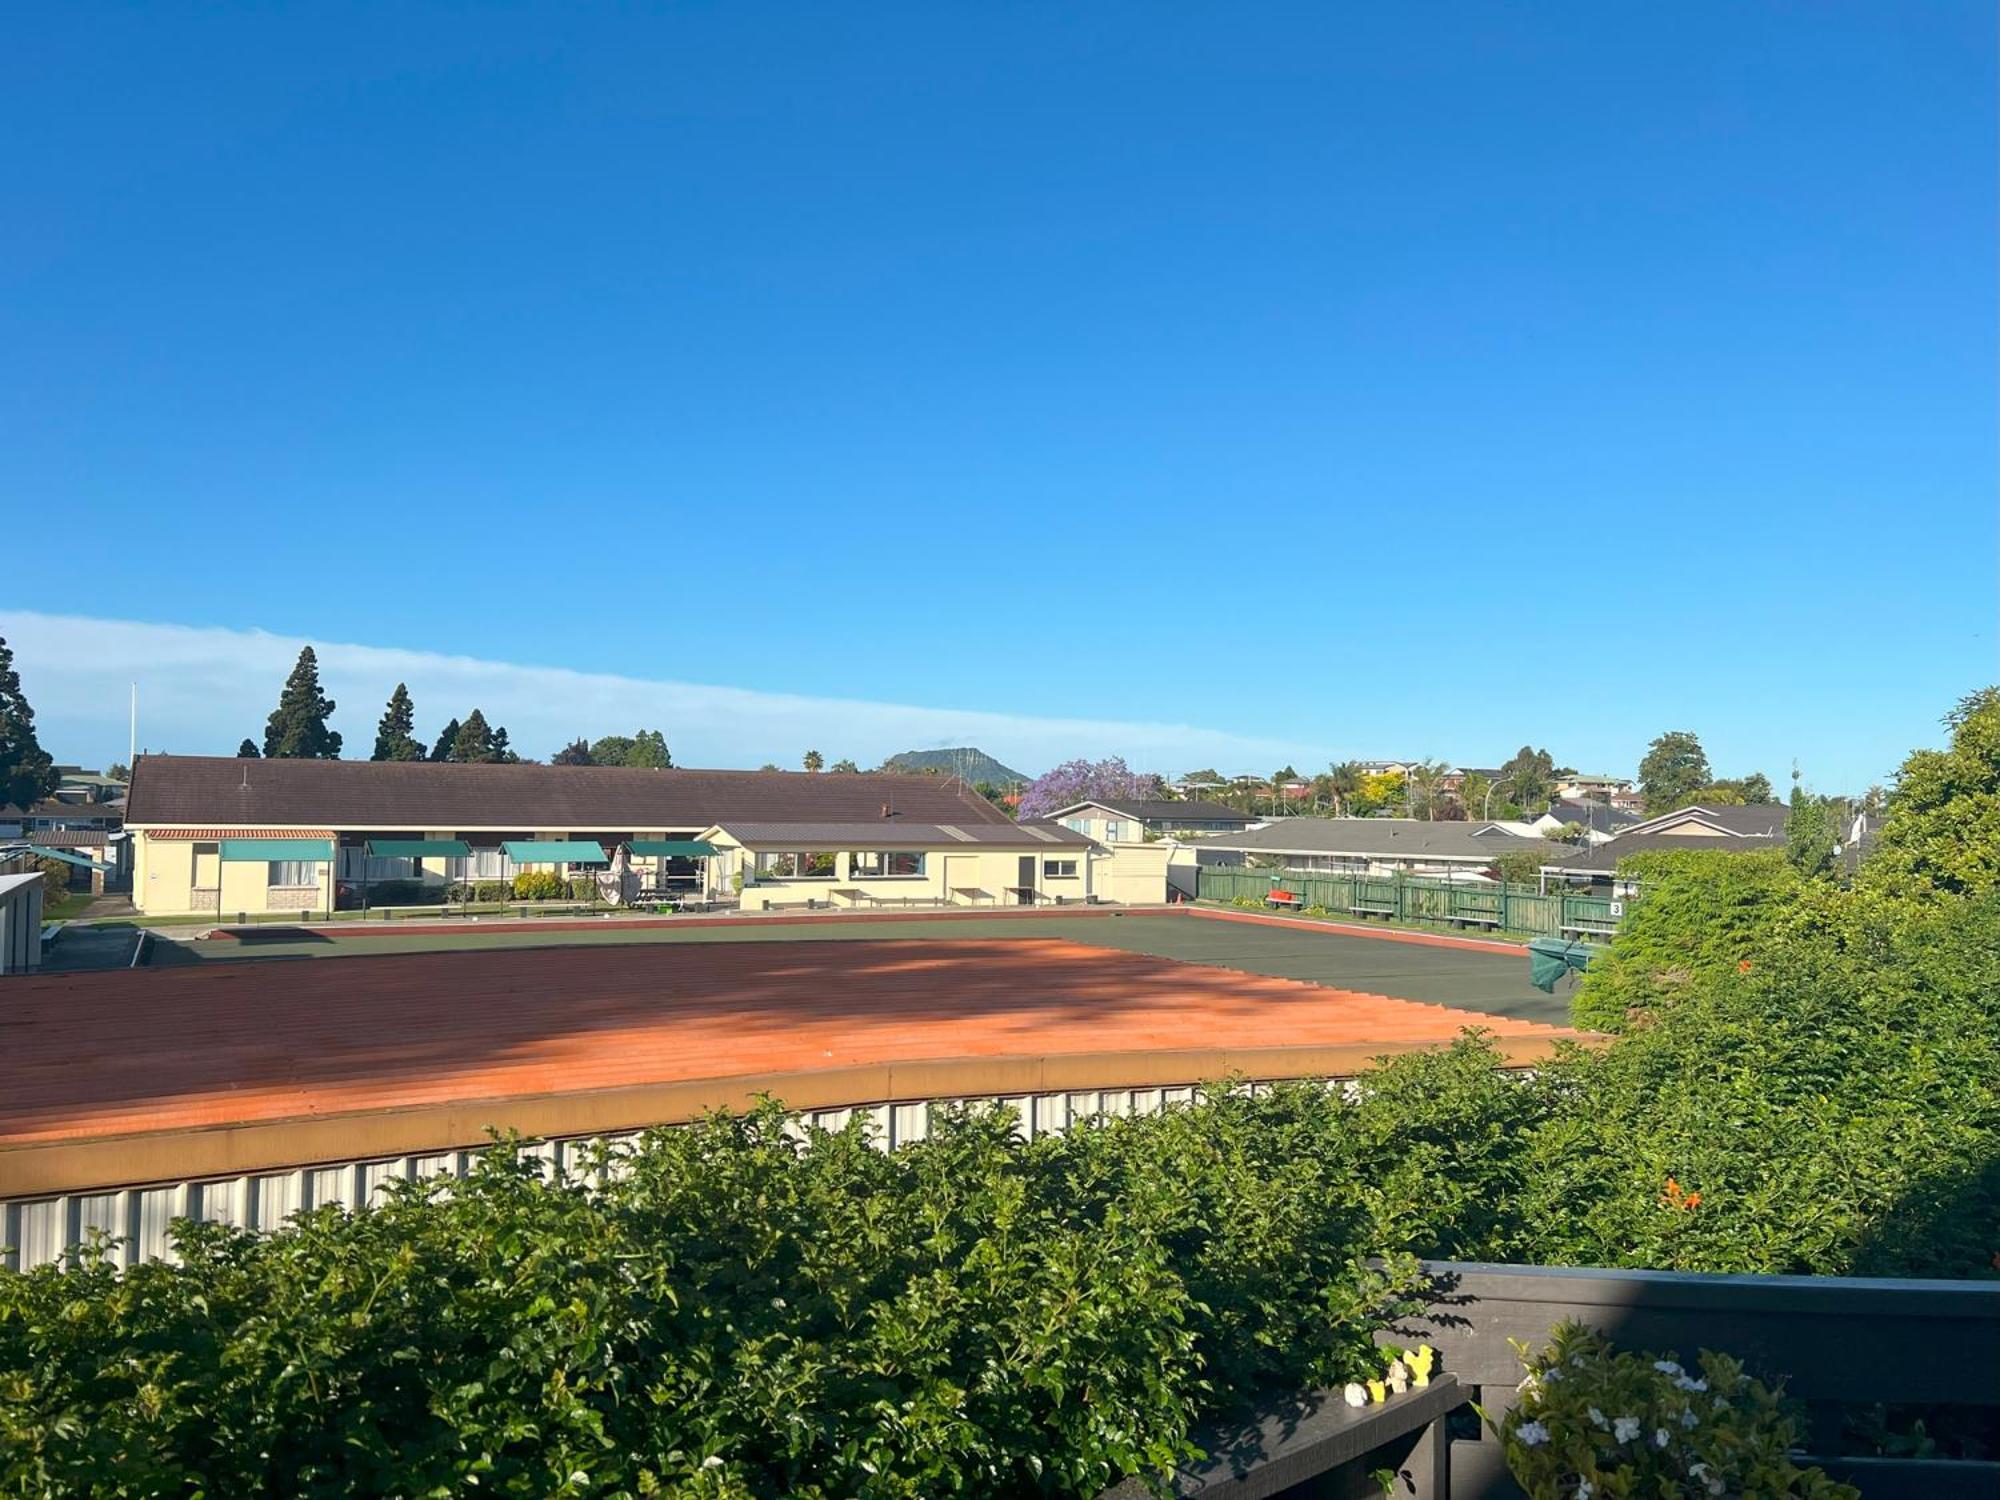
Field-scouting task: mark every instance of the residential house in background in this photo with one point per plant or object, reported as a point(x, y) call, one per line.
point(1131, 819)
point(1730, 828)
point(1371, 846)
point(1592, 788)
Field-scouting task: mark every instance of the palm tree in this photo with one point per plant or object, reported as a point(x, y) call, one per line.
point(814, 760)
point(1425, 783)
point(1344, 778)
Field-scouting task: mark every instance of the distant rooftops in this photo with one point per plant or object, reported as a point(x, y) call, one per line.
point(1166, 810)
point(1403, 838)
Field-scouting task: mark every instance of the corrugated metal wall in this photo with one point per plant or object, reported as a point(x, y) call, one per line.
point(40, 1231)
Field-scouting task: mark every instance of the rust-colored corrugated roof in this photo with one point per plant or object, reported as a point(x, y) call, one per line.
point(94, 1055)
point(209, 835)
point(215, 791)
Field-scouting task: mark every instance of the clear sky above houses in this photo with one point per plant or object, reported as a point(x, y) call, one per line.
point(1320, 379)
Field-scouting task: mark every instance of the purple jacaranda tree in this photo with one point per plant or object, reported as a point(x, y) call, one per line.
point(1084, 781)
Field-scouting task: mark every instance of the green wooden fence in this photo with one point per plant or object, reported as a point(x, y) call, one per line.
point(1506, 908)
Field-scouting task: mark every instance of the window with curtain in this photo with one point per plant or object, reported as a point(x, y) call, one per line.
point(292, 872)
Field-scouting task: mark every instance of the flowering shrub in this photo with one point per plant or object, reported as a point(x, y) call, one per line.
point(1595, 1422)
point(537, 885)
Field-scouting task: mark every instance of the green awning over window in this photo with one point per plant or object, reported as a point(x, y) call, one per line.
point(673, 848)
point(554, 852)
point(418, 849)
point(70, 859)
point(244, 851)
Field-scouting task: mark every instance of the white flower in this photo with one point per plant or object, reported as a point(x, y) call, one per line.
point(1720, 1404)
point(1533, 1434)
point(1716, 1486)
point(1625, 1429)
point(1689, 1383)
point(1697, 1470)
point(1576, 1360)
point(1585, 1489)
point(1666, 1367)
point(1531, 1384)
point(711, 1462)
point(1689, 1420)
point(1597, 1418)
point(1661, 1437)
point(1354, 1394)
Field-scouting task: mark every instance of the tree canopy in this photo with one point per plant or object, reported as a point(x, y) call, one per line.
point(1941, 827)
point(27, 771)
point(1674, 769)
point(645, 750)
point(297, 728)
point(477, 743)
point(395, 736)
point(447, 737)
point(1083, 781)
point(1527, 780)
point(247, 750)
point(575, 753)
point(813, 760)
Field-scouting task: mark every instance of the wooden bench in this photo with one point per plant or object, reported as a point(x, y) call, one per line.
point(974, 895)
point(1283, 901)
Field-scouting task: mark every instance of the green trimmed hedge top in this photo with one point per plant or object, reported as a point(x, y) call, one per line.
point(737, 1312)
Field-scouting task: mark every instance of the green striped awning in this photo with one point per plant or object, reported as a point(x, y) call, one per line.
point(69, 858)
point(255, 850)
point(418, 849)
point(554, 852)
point(673, 848)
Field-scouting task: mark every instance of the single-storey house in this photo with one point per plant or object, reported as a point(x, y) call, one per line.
point(220, 835)
point(1372, 846)
point(1117, 820)
point(869, 865)
point(1760, 826)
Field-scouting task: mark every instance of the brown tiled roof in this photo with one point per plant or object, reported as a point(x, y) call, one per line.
point(215, 792)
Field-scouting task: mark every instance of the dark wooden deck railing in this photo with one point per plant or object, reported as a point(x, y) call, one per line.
point(1836, 1343)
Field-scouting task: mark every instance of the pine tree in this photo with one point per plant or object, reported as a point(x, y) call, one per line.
point(575, 753)
point(27, 771)
point(394, 737)
point(474, 743)
point(297, 728)
point(503, 753)
point(447, 737)
point(247, 750)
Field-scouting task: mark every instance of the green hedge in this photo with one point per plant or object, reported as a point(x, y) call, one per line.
point(736, 1314)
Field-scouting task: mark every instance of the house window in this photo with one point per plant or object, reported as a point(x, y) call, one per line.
point(207, 866)
point(292, 872)
point(480, 864)
point(1059, 869)
point(804, 864)
point(887, 864)
point(1114, 830)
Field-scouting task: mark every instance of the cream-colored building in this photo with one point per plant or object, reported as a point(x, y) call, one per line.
point(226, 837)
point(865, 866)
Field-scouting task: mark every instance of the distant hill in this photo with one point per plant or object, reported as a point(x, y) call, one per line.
point(975, 766)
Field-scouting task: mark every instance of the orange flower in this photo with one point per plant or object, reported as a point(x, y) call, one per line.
point(1743, 966)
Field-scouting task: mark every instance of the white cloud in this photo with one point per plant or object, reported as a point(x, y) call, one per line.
point(202, 689)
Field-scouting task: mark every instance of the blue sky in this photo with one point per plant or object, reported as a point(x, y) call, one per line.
point(1552, 373)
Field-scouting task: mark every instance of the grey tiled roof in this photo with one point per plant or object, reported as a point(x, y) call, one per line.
point(1411, 838)
point(1603, 858)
